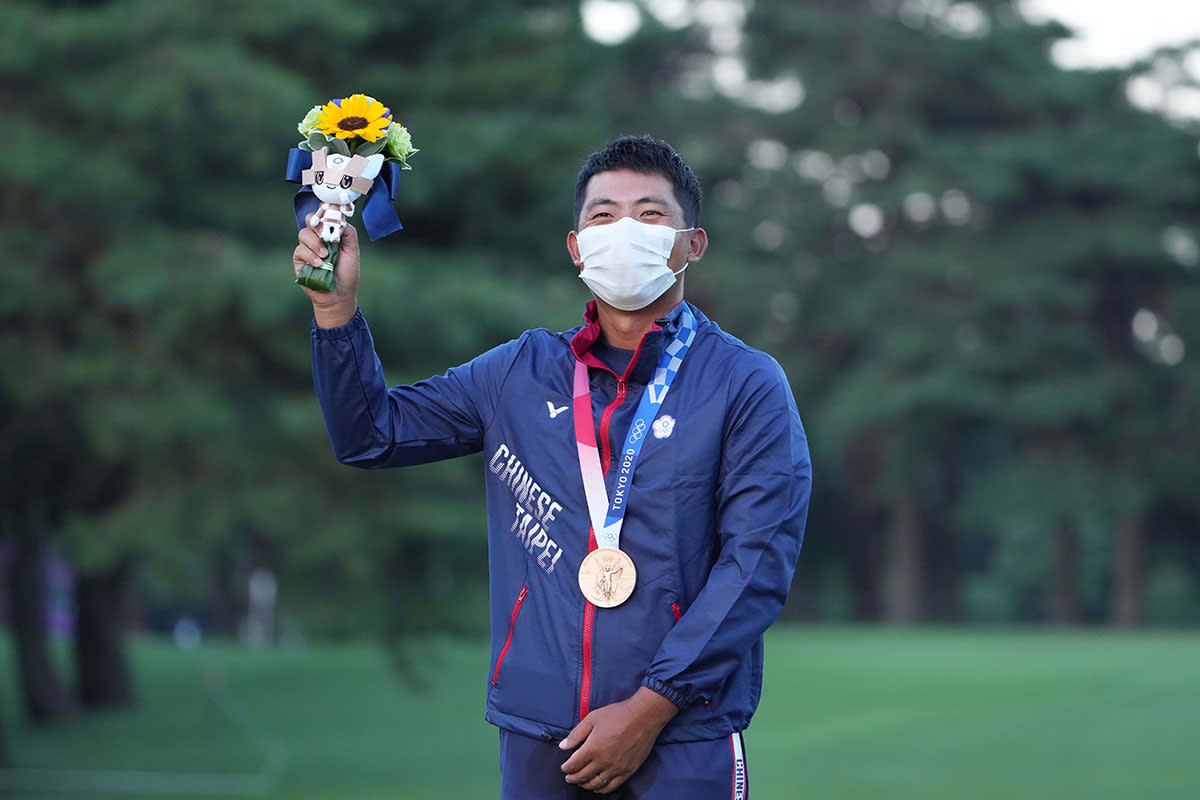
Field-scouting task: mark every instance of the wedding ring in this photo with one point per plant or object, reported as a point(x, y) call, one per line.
point(603, 780)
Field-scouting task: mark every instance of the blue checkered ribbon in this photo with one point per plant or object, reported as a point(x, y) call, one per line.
point(664, 373)
point(652, 400)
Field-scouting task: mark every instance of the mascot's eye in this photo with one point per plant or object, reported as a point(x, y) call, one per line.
point(320, 176)
point(346, 181)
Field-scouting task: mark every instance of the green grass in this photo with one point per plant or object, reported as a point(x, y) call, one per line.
point(847, 714)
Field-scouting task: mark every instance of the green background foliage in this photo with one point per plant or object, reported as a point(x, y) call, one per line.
point(979, 271)
point(969, 369)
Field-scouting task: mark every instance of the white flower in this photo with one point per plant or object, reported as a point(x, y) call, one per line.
point(310, 121)
point(399, 143)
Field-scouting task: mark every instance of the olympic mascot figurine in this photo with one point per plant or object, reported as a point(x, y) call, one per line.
point(337, 181)
point(353, 149)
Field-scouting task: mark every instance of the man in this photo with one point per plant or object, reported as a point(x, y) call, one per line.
point(640, 540)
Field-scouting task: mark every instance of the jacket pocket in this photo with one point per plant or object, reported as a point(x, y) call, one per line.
point(512, 624)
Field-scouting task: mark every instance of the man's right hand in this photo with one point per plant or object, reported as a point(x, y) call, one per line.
point(330, 309)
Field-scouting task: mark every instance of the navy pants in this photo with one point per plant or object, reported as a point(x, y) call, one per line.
point(531, 769)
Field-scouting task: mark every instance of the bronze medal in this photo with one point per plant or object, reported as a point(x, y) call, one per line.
point(607, 577)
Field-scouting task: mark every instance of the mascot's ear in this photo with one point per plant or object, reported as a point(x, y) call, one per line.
point(374, 164)
point(309, 176)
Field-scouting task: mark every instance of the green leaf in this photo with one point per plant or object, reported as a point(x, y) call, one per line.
point(370, 148)
point(339, 146)
point(318, 279)
point(317, 140)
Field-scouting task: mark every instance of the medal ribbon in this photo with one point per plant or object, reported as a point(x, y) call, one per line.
point(608, 515)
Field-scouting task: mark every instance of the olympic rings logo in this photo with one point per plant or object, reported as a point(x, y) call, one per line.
point(638, 430)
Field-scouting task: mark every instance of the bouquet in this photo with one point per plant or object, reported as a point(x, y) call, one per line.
point(352, 147)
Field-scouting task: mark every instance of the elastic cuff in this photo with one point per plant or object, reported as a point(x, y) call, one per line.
point(654, 684)
point(355, 323)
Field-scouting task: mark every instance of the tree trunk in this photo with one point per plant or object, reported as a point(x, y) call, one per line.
point(227, 606)
point(802, 601)
point(864, 570)
point(943, 573)
point(1065, 603)
point(1127, 571)
point(943, 540)
point(43, 695)
point(101, 665)
point(906, 565)
point(863, 555)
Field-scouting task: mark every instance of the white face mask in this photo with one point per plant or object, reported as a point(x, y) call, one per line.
point(625, 262)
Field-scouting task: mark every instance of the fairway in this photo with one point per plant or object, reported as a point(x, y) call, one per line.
point(847, 714)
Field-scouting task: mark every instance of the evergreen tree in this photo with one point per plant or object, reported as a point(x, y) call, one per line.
point(953, 249)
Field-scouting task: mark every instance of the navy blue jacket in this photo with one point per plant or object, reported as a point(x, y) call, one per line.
point(714, 523)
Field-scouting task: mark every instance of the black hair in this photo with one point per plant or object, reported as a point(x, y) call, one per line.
point(649, 156)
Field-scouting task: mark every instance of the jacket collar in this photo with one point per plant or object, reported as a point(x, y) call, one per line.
point(649, 349)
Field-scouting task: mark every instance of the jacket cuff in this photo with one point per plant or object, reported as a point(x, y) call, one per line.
point(655, 685)
point(356, 323)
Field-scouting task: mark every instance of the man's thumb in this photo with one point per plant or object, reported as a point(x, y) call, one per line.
point(577, 735)
point(349, 238)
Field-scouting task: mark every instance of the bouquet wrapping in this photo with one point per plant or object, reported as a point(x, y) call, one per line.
point(352, 148)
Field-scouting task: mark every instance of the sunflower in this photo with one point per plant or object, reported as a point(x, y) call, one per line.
point(356, 115)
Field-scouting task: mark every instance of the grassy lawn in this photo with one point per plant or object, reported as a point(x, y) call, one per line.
point(847, 714)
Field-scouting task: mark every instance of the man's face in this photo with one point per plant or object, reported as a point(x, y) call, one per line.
point(646, 198)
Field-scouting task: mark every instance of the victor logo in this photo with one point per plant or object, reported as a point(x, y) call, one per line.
point(554, 412)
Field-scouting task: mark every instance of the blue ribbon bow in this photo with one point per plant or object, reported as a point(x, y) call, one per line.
point(377, 213)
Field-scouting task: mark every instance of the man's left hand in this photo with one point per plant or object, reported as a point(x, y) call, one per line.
point(614, 740)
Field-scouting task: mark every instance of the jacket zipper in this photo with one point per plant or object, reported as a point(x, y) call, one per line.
point(605, 420)
point(589, 609)
point(585, 682)
point(512, 623)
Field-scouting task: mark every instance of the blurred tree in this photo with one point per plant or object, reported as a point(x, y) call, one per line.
point(953, 247)
point(157, 364)
point(933, 228)
point(132, 355)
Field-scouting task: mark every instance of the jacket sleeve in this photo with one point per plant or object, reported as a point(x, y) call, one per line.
point(371, 425)
point(762, 503)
